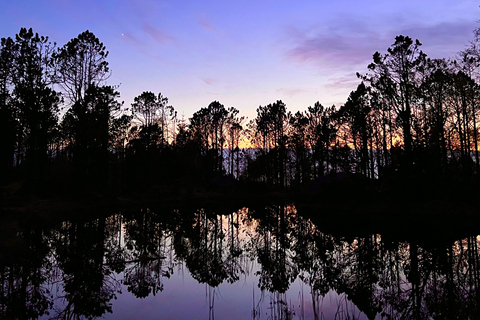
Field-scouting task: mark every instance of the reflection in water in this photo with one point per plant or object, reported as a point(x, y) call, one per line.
point(79, 250)
point(25, 273)
point(145, 250)
point(276, 265)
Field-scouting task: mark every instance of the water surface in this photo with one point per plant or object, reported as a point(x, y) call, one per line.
point(268, 264)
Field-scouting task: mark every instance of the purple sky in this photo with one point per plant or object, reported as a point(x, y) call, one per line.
point(245, 53)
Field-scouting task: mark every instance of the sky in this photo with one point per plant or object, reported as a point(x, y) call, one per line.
point(245, 53)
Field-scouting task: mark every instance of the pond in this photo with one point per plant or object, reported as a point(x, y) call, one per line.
point(264, 264)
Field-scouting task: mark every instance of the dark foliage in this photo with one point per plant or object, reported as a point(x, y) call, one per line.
point(410, 119)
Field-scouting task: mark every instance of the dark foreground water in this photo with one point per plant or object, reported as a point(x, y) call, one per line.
point(272, 264)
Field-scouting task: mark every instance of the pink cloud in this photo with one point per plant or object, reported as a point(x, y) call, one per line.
point(290, 91)
point(208, 81)
point(156, 34)
point(206, 23)
point(132, 39)
point(343, 82)
point(333, 49)
point(348, 43)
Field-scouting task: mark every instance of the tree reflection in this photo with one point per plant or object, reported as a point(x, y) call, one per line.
point(209, 246)
point(273, 249)
point(24, 275)
point(88, 283)
point(314, 257)
point(361, 265)
point(77, 268)
point(146, 245)
point(452, 290)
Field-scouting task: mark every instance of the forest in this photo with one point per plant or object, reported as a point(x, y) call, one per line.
point(64, 130)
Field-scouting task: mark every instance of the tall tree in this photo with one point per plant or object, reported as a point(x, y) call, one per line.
point(82, 70)
point(234, 131)
point(8, 125)
point(470, 65)
point(298, 143)
point(81, 63)
point(145, 108)
point(270, 128)
point(37, 103)
point(153, 110)
point(356, 111)
point(465, 95)
point(208, 127)
point(395, 75)
point(218, 119)
point(322, 133)
point(438, 88)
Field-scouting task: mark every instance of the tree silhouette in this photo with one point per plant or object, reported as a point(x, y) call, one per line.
point(394, 74)
point(25, 276)
point(36, 102)
point(322, 134)
point(208, 127)
point(233, 133)
point(411, 114)
point(270, 128)
point(81, 63)
point(8, 125)
point(80, 250)
point(144, 240)
point(82, 72)
point(357, 112)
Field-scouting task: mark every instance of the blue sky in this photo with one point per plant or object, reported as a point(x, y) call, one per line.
point(245, 53)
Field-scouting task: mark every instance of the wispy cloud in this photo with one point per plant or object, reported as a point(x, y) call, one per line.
point(159, 36)
point(333, 47)
point(146, 48)
point(344, 45)
point(290, 91)
point(443, 40)
point(132, 39)
point(208, 81)
point(204, 22)
point(342, 82)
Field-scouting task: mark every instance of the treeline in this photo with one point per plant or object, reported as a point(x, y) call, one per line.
point(410, 115)
point(63, 129)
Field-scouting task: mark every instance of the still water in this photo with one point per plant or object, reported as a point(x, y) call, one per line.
point(272, 264)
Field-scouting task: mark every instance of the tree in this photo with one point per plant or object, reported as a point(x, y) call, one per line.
point(218, 118)
point(208, 128)
point(321, 133)
point(8, 125)
point(37, 103)
point(81, 63)
point(150, 109)
point(395, 75)
point(234, 129)
point(145, 108)
point(437, 92)
point(465, 94)
point(356, 112)
point(102, 105)
point(82, 70)
point(270, 133)
point(298, 142)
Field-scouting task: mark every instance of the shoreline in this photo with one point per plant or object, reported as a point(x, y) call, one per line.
point(414, 219)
